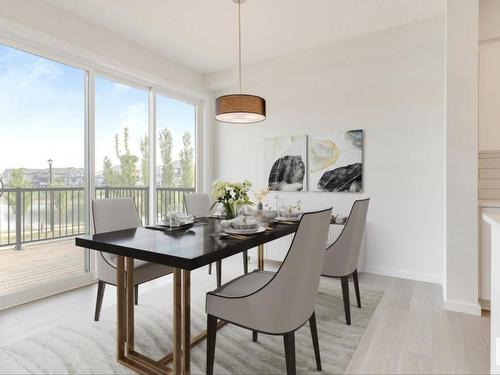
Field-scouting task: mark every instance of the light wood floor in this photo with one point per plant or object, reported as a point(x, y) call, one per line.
point(409, 332)
point(39, 263)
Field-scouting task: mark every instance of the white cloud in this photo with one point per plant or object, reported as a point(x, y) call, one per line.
point(40, 113)
point(40, 69)
point(119, 89)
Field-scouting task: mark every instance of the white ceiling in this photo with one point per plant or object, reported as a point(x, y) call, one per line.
point(202, 34)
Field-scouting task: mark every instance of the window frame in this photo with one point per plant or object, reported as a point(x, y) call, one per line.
point(196, 138)
point(41, 45)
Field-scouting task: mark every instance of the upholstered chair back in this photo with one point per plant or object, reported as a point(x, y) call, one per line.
point(111, 215)
point(341, 258)
point(197, 205)
point(288, 299)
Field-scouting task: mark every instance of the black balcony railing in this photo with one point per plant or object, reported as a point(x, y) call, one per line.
point(37, 214)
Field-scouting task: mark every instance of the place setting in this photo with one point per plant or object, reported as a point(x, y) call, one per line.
point(175, 221)
point(290, 214)
point(282, 214)
point(242, 219)
point(241, 227)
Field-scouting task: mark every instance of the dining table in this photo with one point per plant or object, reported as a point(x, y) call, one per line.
point(184, 250)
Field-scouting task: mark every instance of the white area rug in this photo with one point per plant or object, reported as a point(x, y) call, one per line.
point(84, 346)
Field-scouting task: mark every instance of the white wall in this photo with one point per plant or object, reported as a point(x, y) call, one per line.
point(489, 75)
point(489, 95)
point(391, 84)
point(489, 25)
point(461, 281)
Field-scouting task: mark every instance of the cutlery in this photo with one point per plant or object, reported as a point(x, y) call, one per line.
point(286, 222)
point(237, 237)
point(226, 235)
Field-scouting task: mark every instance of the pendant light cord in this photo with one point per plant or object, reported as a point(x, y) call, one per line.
point(239, 43)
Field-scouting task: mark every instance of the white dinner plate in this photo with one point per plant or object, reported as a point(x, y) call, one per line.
point(279, 218)
point(181, 223)
point(245, 231)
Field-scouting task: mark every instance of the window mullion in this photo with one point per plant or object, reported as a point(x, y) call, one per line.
point(152, 155)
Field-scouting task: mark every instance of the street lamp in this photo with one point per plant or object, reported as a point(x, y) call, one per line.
point(51, 197)
point(50, 171)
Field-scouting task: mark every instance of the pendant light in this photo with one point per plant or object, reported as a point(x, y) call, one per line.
point(240, 108)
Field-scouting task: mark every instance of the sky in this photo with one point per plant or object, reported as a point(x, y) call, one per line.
point(42, 114)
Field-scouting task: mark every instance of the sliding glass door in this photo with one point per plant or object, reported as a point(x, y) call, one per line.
point(175, 154)
point(68, 136)
point(42, 170)
point(121, 143)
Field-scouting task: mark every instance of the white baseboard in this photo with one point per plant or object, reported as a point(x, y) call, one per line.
point(46, 290)
point(466, 308)
point(429, 278)
point(485, 304)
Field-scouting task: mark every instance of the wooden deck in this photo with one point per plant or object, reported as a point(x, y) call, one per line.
point(38, 264)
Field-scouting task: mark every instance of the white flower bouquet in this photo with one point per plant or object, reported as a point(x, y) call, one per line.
point(231, 195)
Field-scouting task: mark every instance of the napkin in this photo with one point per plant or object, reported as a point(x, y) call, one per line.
point(227, 223)
point(250, 220)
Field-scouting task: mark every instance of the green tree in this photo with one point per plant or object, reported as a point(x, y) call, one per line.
point(127, 175)
point(167, 169)
point(127, 161)
point(144, 160)
point(18, 180)
point(110, 177)
point(186, 156)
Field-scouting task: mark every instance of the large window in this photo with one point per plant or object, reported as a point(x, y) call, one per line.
point(42, 125)
point(175, 158)
point(121, 142)
point(53, 136)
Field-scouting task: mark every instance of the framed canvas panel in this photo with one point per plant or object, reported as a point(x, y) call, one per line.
point(286, 163)
point(336, 161)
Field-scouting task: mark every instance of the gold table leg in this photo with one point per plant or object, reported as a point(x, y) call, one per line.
point(186, 322)
point(181, 355)
point(260, 258)
point(120, 307)
point(126, 353)
point(182, 322)
point(130, 304)
point(177, 350)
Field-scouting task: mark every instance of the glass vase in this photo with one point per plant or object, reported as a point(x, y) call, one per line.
point(228, 211)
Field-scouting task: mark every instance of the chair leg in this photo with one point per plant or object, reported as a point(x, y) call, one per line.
point(218, 271)
point(289, 340)
point(356, 287)
point(314, 335)
point(136, 294)
point(211, 337)
point(245, 261)
point(255, 336)
point(210, 269)
point(100, 294)
point(345, 294)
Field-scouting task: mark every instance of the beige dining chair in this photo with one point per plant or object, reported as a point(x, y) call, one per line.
point(276, 303)
point(341, 258)
point(112, 215)
point(199, 205)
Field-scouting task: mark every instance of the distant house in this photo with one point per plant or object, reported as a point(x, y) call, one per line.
point(71, 177)
point(177, 173)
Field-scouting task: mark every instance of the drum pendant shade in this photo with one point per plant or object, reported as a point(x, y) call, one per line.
point(240, 108)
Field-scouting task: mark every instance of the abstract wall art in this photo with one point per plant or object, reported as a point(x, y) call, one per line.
point(336, 161)
point(286, 163)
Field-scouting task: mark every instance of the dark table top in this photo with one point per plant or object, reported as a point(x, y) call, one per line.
point(187, 249)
